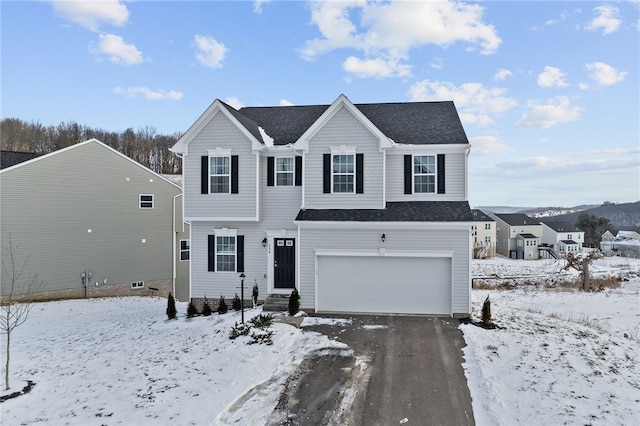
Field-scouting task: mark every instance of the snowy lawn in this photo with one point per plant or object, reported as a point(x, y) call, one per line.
point(563, 357)
point(119, 361)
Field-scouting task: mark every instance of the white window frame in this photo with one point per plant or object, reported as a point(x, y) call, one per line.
point(213, 175)
point(142, 202)
point(424, 174)
point(185, 250)
point(487, 226)
point(226, 234)
point(289, 174)
point(346, 174)
point(137, 284)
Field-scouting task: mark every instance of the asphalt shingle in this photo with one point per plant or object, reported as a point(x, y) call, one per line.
point(405, 211)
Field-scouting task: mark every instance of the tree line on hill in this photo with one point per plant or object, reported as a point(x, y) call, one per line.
point(145, 145)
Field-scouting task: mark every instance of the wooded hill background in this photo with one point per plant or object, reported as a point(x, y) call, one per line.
point(145, 145)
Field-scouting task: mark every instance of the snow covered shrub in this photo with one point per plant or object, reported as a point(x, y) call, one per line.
point(171, 307)
point(222, 306)
point(235, 304)
point(191, 310)
point(254, 294)
point(261, 336)
point(239, 330)
point(206, 309)
point(294, 302)
point(486, 311)
point(261, 321)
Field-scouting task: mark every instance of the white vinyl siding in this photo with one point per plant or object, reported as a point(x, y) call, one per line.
point(220, 133)
point(455, 174)
point(344, 129)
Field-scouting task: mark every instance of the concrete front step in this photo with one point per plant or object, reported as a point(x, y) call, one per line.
point(276, 303)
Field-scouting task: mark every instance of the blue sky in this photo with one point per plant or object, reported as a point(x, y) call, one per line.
point(548, 91)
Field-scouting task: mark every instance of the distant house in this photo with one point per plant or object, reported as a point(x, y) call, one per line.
point(360, 207)
point(561, 237)
point(94, 223)
point(624, 243)
point(518, 235)
point(11, 158)
point(483, 235)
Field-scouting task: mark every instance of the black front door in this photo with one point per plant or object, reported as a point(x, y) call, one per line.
point(284, 263)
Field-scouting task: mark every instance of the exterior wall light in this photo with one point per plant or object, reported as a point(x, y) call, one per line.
point(264, 242)
point(383, 237)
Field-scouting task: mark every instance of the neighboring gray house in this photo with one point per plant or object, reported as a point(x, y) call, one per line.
point(483, 235)
point(362, 208)
point(624, 243)
point(94, 223)
point(561, 237)
point(518, 235)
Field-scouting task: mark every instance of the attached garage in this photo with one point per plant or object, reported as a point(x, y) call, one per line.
point(384, 283)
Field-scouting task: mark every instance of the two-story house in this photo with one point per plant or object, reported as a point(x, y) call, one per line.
point(362, 208)
point(561, 237)
point(518, 235)
point(483, 235)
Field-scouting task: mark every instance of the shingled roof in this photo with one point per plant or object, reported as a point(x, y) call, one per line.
point(404, 211)
point(414, 123)
point(517, 219)
point(11, 158)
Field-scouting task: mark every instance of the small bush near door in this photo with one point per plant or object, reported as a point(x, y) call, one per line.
point(171, 307)
point(222, 306)
point(294, 302)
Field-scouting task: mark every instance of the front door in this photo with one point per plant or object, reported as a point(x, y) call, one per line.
point(284, 263)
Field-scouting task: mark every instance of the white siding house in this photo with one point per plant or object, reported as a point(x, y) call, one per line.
point(361, 207)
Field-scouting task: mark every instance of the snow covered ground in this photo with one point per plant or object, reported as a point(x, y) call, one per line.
point(562, 357)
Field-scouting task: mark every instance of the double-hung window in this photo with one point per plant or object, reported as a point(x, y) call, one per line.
point(220, 174)
point(226, 253)
point(424, 174)
point(343, 173)
point(184, 250)
point(285, 167)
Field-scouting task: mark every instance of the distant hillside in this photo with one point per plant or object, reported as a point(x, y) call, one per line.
point(622, 216)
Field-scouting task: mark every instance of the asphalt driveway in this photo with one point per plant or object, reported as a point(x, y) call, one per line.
point(402, 371)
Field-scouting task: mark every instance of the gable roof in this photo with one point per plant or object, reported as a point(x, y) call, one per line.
point(404, 211)
point(81, 144)
point(517, 219)
point(414, 123)
point(559, 226)
point(11, 158)
point(480, 216)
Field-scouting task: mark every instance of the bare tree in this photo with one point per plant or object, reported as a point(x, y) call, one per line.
point(16, 301)
point(581, 264)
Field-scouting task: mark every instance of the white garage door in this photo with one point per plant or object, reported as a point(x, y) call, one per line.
point(377, 284)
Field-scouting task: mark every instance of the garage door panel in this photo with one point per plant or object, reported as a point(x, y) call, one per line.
point(417, 285)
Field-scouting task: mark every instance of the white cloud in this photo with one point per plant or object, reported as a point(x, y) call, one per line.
point(117, 50)
point(552, 21)
point(152, 95)
point(476, 104)
point(210, 53)
point(91, 14)
point(387, 31)
point(556, 111)
point(502, 74)
point(284, 102)
point(257, 5)
point(377, 68)
point(604, 74)
point(486, 145)
point(234, 102)
point(437, 63)
point(551, 77)
point(608, 19)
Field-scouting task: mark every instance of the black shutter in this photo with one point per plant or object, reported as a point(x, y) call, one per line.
point(270, 171)
point(408, 174)
point(326, 174)
point(211, 253)
point(234, 174)
point(204, 174)
point(240, 253)
point(440, 173)
point(359, 173)
point(298, 171)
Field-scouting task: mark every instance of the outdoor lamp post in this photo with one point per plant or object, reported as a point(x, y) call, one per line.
point(242, 276)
